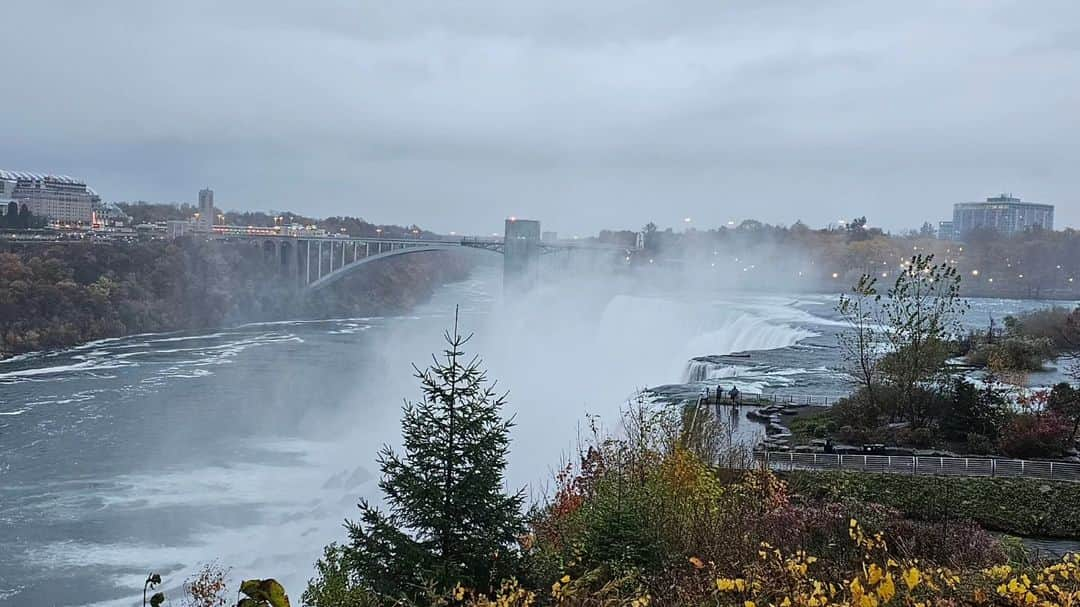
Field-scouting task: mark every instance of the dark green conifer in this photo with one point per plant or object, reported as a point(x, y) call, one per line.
point(449, 518)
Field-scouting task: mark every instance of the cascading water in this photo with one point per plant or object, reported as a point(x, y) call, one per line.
point(743, 332)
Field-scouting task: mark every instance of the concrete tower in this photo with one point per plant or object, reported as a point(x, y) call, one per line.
point(521, 251)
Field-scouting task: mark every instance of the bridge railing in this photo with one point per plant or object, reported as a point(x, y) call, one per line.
point(919, 464)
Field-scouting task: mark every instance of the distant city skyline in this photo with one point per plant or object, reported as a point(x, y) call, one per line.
point(207, 212)
point(584, 117)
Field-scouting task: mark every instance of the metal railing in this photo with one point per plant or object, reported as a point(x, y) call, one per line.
point(918, 464)
point(775, 399)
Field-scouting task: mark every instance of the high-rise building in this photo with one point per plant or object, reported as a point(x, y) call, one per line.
point(205, 221)
point(1004, 214)
point(55, 197)
point(945, 230)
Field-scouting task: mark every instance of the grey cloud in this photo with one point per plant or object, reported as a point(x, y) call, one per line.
point(585, 115)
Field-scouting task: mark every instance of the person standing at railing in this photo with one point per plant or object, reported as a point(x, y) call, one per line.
point(734, 395)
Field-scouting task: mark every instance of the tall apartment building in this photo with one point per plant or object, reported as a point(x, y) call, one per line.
point(205, 221)
point(56, 197)
point(1004, 214)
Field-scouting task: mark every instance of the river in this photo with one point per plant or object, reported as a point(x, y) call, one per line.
point(251, 445)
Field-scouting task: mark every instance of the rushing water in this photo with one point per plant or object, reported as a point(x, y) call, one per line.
point(251, 445)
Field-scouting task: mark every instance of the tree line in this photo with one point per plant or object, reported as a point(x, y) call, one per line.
point(147, 212)
point(57, 295)
point(19, 217)
point(1035, 263)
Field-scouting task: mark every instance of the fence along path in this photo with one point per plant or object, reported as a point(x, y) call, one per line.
point(765, 400)
point(917, 464)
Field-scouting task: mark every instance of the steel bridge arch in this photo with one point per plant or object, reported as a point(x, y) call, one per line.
point(339, 273)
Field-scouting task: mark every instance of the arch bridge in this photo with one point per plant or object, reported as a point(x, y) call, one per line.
point(316, 262)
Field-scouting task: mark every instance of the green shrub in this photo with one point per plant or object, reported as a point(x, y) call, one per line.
point(1023, 507)
point(978, 444)
point(334, 585)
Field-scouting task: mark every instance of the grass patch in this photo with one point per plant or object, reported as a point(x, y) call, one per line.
point(811, 423)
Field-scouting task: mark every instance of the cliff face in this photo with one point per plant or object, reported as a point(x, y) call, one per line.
point(60, 295)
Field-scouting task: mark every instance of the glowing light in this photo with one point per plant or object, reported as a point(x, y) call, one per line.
point(884, 274)
point(990, 280)
point(974, 272)
point(1020, 275)
point(836, 275)
point(513, 219)
point(686, 219)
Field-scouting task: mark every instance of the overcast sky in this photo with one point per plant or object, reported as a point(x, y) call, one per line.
point(602, 113)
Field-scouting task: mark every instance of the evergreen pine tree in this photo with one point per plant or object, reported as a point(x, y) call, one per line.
point(449, 519)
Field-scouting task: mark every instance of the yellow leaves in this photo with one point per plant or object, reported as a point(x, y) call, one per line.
point(887, 589)
point(641, 601)
point(912, 577)
point(731, 585)
point(696, 562)
point(749, 604)
point(874, 574)
point(856, 588)
point(558, 589)
point(999, 572)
